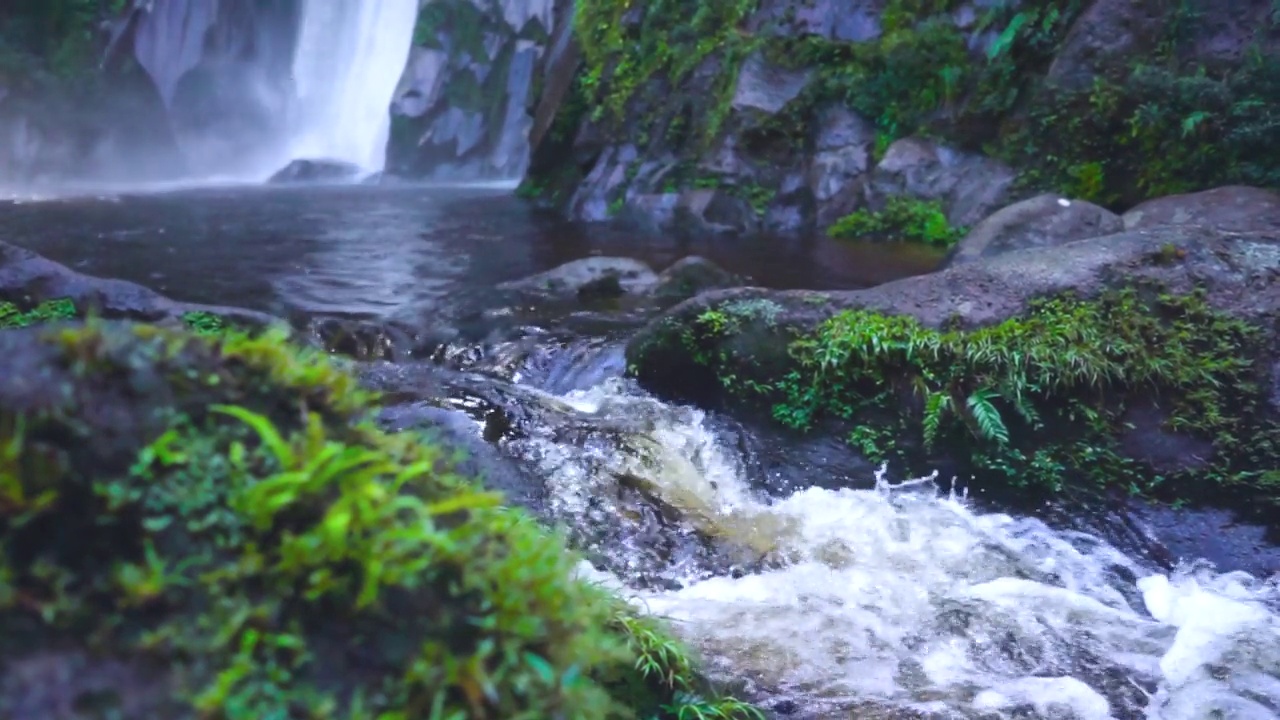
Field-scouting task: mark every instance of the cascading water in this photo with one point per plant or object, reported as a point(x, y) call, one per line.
point(895, 597)
point(349, 58)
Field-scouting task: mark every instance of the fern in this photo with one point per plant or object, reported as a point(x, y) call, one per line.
point(935, 407)
point(986, 416)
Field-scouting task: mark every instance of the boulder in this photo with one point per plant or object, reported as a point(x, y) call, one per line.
point(1106, 36)
point(841, 159)
point(1041, 221)
point(747, 334)
point(691, 275)
point(315, 171)
point(714, 210)
point(589, 274)
point(1233, 208)
point(970, 186)
point(27, 279)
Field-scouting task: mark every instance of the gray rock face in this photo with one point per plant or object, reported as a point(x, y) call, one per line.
point(1232, 208)
point(844, 20)
point(841, 159)
point(765, 87)
point(969, 186)
point(1041, 221)
point(1109, 31)
point(712, 211)
point(465, 105)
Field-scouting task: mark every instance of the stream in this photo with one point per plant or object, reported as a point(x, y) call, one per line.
point(809, 581)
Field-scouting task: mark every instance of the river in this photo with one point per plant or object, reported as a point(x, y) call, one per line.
point(807, 580)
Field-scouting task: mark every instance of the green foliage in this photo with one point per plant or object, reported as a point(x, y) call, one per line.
point(11, 316)
point(1033, 395)
point(649, 49)
point(203, 323)
point(903, 218)
point(50, 41)
point(281, 557)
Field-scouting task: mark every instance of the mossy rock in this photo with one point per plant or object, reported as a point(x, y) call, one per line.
point(1141, 362)
point(195, 526)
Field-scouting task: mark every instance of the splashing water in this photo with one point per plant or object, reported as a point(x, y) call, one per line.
point(906, 597)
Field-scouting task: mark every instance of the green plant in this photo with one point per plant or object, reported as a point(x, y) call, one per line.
point(903, 218)
point(11, 316)
point(203, 323)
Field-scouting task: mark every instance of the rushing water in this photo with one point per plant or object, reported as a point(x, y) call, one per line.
point(817, 585)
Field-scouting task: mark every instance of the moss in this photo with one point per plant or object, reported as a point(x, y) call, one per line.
point(454, 25)
point(642, 51)
point(12, 316)
point(902, 218)
point(235, 520)
point(1033, 401)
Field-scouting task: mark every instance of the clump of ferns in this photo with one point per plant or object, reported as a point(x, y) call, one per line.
point(986, 386)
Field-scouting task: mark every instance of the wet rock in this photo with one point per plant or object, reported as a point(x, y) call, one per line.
point(841, 159)
point(766, 87)
point(714, 211)
point(1147, 440)
point(594, 198)
point(691, 275)
point(314, 171)
point(1232, 208)
point(27, 279)
point(969, 186)
point(1041, 221)
point(572, 278)
point(1237, 272)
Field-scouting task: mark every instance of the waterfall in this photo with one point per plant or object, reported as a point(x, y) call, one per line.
point(349, 58)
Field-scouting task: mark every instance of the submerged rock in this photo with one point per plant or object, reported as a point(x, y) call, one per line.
point(1041, 221)
point(596, 278)
point(315, 171)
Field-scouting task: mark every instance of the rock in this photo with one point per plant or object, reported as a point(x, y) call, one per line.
point(766, 87)
point(595, 195)
point(1238, 273)
point(969, 186)
point(1146, 440)
point(712, 211)
point(842, 20)
point(314, 171)
point(1231, 209)
point(691, 275)
point(238, 538)
point(28, 279)
point(570, 279)
point(842, 156)
point(1041, 221)
point(1106, 36)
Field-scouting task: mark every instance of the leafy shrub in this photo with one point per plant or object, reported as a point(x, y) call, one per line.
point(11, 316)
point(903, 218)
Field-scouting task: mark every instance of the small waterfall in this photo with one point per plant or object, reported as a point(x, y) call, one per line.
point(349, 59)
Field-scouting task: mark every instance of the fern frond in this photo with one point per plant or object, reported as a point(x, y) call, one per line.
point(986, 416)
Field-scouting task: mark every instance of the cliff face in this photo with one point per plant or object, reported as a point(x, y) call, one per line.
point(465, 107)
point(786, 115)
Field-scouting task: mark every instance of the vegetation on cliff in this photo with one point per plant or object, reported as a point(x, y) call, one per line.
point(1149, 123)
point(218, 514)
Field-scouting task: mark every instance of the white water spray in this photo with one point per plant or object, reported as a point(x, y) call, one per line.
point(903, 598)
point(349, 59)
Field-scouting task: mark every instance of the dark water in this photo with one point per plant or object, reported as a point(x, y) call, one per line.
point(386, 252)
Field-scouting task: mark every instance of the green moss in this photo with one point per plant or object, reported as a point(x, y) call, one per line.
point(203, 323)
point(241, 524)
point(11, 316)
point(903, 218)
point(458, 23)
point(631, 50)
point(1033, 400)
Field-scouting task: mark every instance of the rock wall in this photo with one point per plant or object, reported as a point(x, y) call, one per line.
point(784, 116)
point(466, 103)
